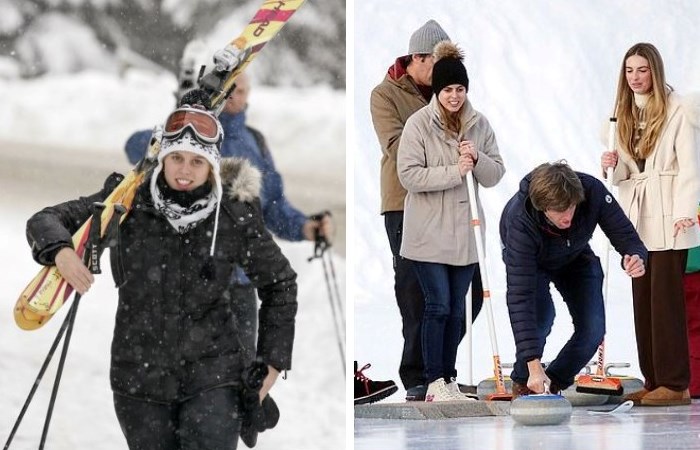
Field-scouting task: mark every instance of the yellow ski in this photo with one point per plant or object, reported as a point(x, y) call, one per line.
point(48, 291)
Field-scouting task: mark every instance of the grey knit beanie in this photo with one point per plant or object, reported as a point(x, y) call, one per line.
point(423, 40)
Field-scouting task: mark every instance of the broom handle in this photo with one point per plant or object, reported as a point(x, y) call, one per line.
point(612, 131)
point(468, 337)
point(498, 372)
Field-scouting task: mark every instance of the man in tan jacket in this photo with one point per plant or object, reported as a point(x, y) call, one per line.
point(405, 90)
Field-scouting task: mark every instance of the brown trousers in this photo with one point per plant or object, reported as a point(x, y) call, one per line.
point(659, 321)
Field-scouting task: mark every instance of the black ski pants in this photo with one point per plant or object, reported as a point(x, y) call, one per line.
point(411, 303)
point(210, 420)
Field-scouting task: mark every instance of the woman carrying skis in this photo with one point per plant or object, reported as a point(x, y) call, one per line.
point(656, 169)
point(177, 362)
point(441, 143)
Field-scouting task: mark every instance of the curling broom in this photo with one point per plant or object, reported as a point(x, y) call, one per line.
point(598, 383)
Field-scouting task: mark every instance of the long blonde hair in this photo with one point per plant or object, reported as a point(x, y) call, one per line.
point(627, 112)
point(451, 121)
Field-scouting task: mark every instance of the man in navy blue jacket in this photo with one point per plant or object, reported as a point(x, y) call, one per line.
point(545, 232)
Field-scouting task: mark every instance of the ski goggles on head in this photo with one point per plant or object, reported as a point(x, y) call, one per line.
point(203, 125)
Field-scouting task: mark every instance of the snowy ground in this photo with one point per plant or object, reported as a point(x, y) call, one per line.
point(60, 137)
point(544, 74)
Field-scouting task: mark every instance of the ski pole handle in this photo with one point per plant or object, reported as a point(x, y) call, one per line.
point(92, 250)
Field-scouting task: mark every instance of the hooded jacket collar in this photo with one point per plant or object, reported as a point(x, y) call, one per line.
point(398, 75)
point(240, 179)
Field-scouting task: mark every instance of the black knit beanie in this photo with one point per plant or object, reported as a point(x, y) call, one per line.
point(448, 68)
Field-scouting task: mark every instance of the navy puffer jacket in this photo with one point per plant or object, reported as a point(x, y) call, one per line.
point(531, 245)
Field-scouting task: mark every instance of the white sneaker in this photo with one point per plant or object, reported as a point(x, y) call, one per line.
point(439, 392)
point(454, 388)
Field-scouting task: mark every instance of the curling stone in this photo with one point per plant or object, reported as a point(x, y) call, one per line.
point(540, 409)
point(582, 398)
point(488, 386)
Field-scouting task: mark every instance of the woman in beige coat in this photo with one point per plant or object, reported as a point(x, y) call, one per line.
point(656, 169)
point(439, 145)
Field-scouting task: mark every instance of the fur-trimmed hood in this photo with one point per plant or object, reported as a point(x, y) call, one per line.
point(240, 180)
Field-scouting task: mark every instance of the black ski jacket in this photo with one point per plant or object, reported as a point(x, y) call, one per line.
point(175, 334)
point(531, 245)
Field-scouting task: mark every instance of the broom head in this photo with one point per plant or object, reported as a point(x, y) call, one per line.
point(499, 397)
point(596, 384)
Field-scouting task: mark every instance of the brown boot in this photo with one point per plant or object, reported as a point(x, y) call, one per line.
point(636, 396)
point(663, 396)
point(520, 389)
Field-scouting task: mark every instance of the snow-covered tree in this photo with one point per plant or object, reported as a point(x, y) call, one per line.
point(41, 36)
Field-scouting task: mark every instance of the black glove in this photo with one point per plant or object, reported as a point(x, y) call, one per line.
point(261, 418)
point(256, 417)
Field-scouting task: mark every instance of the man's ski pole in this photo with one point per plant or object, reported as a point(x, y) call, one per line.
point(322, 251)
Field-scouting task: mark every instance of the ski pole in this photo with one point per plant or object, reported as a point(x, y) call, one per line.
point(93, 249)
point(35, 385)
point(321, 246)
point(500, 393)
point(91, 258)
point(333, 301)
point(326, 249)
point(70, 318)
point(334, 280)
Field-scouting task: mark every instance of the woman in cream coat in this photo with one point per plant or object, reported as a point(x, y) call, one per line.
point(656, 169)
point(440, 143)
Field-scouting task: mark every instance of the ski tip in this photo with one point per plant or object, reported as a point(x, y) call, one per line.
point(28, 320)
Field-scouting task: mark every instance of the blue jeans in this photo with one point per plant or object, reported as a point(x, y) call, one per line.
point(444, 288)
point(580, 285)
